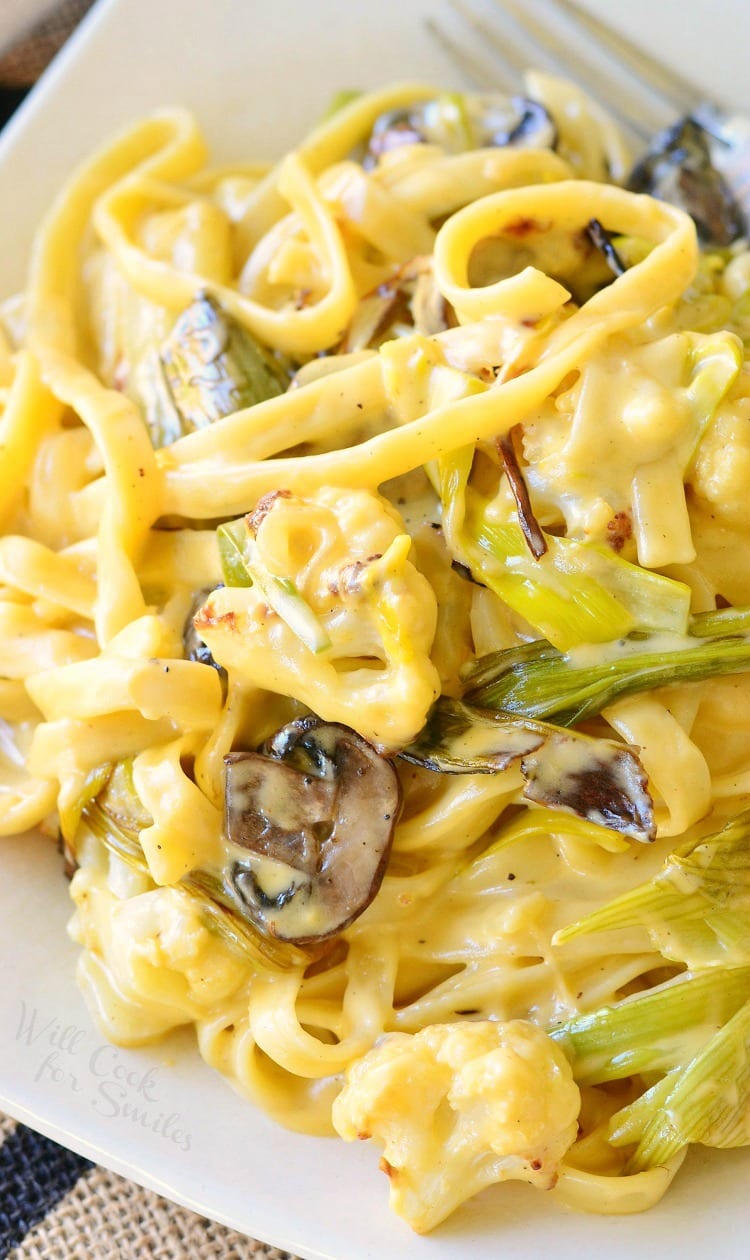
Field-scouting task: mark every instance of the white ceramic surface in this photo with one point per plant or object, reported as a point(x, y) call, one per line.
point(257, 73)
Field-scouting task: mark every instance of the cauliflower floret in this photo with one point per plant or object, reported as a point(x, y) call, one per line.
point(597, 462)
point(346, 554)
point(458, 1107)
point(721, 470)
point(149, 962)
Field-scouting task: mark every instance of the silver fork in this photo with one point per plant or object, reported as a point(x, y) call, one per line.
point(500, 39)
point(493, 42)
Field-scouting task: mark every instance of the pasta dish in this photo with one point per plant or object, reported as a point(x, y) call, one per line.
point(375, 628)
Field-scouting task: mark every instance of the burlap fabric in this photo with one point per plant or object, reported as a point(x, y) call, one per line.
point(102, 1216)
point(53, 1204)
point(31, 52)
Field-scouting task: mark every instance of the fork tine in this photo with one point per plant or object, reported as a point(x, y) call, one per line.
point(503, 48)
point(676, 90)
point(500, 59)
point(485, 73)
point(629, 110)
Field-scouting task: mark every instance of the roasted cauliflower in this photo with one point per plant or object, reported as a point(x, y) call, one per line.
point(337, 616)
point(457, 1107)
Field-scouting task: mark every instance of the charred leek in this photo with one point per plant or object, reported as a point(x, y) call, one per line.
point(540, 681)
point(208, 367)
point(116, 817)
point(214, 366)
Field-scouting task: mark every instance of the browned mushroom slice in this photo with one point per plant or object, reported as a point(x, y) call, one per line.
point(459, 122)
point(315, 811)
point(605, 784)
point(682, 166)
point(597, 779)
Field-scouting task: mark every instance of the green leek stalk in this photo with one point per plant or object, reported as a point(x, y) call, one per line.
point(116, 817)
point(706, 1101)
point(539, 681)
point(213, 365)
point(576, 593)
point(654, 1031)
point(451, 124)
point(208, 367)
point(696, 910)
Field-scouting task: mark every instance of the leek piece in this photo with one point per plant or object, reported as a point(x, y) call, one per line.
point(232, 538)
point(660, 513)
point(721, 621)
point(70, 814)
point(241, 566)
point(116, 818)
point(706, 1101)
point(632, 249)
point(653, 1031)
point(450, 122)
point(213, 366)
point(151, 392)
point(595, 779)
point(696, 910)
point(549, 822)
point(541, 682)
point(282, 595)
point(339, 100)
point(208, 367)
point(714, 363)
point(575, 593)
point(417, 379)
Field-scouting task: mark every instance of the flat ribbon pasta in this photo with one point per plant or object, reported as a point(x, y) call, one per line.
point(288, 449)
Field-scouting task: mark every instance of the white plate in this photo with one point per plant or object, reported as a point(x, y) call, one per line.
point(256, 74)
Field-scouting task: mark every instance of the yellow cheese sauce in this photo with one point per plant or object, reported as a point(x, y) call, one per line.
point(439, 426)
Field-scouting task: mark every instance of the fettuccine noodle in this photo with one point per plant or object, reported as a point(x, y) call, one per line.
point(425, 311)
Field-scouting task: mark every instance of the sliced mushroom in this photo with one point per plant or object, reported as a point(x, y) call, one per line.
point(682, 166)
point(596, 779)
point(459, 122)
point(314, 810)
point(517, 121)
point(601, 239)
point(606, 785)
point(393, 129)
